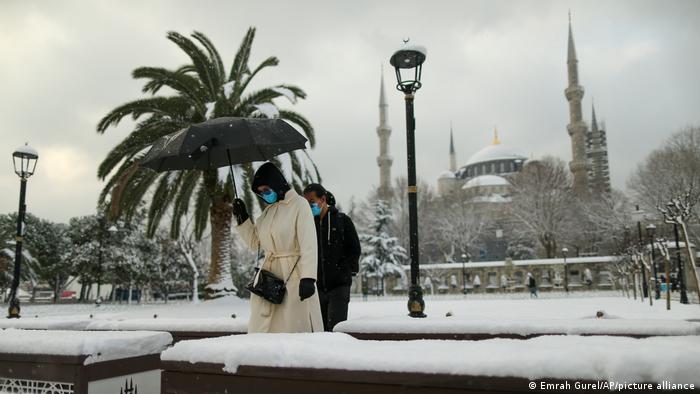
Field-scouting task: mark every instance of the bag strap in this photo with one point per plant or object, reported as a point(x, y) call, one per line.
point(292, 271)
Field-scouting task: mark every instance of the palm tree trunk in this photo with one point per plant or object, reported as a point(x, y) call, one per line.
point(220, 281)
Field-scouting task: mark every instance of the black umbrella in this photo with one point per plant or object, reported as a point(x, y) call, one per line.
point(223, 142)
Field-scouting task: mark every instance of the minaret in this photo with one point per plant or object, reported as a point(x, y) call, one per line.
point(576, 127)
point(384, 160)
point(453, 155)
point(597, 154)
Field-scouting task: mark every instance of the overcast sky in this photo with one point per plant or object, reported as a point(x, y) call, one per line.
point(64, 64)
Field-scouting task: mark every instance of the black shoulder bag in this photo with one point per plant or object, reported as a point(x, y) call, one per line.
point(267, 285)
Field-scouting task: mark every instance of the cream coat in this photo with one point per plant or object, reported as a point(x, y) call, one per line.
point(286, 232)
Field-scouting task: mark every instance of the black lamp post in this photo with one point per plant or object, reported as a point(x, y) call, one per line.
point(408, 64)
point(651, 230)
point(24, 159)
point(465, 258)
point(564, 252)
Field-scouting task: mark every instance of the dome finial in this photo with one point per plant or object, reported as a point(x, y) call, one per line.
point(496, 140)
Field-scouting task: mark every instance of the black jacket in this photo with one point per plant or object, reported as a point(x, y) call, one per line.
point(338, 250)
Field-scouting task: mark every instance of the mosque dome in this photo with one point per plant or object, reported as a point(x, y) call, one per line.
point(447, 175)
point(486, 180)
point(494, 159)
point(496, 152)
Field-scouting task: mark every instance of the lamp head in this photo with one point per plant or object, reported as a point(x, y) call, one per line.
point(24, 159)
point(408, 64)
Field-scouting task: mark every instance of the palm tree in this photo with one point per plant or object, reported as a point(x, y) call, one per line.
point(198, 91)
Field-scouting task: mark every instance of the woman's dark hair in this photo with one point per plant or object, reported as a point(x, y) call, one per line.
point(320, 191)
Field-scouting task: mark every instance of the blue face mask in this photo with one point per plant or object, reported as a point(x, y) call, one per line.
point(315, 209)
point(270, 196)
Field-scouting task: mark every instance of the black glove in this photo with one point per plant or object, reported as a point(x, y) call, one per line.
point(240, 211)
point(307, 288)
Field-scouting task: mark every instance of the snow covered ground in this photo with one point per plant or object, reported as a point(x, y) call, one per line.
point(468, 314)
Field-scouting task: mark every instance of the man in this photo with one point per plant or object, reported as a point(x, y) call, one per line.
point(532, 285)
point(338, 255)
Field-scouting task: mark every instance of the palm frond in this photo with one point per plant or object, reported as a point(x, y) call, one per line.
point(205, 70)
point(165, 106)
point(214, 57)
point(240, 62)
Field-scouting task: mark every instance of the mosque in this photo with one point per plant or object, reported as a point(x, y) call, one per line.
point(484, 177)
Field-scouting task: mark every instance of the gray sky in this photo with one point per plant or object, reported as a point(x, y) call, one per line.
point(64, 64)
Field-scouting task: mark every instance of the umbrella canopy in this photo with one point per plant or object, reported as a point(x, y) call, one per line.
point(223, 142)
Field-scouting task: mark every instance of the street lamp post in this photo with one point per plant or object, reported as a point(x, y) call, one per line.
point(465, 257)
point(651, 230)
point(408, 64)
point(24, 159)
point(564, 252)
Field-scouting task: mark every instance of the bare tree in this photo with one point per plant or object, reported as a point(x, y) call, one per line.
point(669, 170)
point(542, 201)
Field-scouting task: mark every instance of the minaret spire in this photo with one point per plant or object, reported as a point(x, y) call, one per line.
point(594, 122)
point(577, 128)
point(384, 159)
point(453, 154)
point(496, 140)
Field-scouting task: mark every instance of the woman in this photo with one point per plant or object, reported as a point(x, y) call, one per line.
point(285, 231)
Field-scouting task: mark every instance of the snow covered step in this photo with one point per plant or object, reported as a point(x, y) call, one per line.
point(46, 323)
point(92, 346)
point(60, 361)
point(180, 329)
point(337, 362)
point(404, 327)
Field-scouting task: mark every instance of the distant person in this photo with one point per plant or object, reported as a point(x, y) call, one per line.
point(532, 285)
point(338, 254)
point(285, 232)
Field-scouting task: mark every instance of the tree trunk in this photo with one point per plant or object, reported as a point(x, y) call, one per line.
point(691, 259)
point(220, 281)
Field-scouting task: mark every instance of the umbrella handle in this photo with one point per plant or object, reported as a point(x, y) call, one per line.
point(233, 178)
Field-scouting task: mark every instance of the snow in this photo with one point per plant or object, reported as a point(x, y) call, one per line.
point(491, 198)
point(286, 92)
point(46, 323)
point(172, 324)
point(554, 261)
point(496, 152)
point(269, 110)
point(505, 325)
point(559, 357)
point(210, 109)
point(486, 180)
point(447, 175)
point(26, 150)
point(228, 88)
point(494, 312)
point(98, 346)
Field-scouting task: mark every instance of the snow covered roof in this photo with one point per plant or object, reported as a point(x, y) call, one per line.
point(97, 345)
point(482, 264)
point(496, 152)
point(447, 175)
point(491, 198)
point(486, 180)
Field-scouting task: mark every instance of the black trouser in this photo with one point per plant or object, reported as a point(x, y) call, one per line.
point(334, 306)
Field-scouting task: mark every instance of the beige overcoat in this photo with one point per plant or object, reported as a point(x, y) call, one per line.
point(285, 232)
